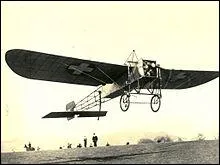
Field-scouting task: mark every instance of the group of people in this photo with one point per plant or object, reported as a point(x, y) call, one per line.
point(30, 148)
point(94, 139)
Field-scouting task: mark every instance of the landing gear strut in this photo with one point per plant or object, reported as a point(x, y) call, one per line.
point(153, 87)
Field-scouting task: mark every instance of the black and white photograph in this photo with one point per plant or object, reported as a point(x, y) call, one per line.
point(105, 82)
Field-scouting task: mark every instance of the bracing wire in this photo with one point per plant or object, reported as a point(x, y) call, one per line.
point(86, 74)
point(131, 54)
point(107, 76)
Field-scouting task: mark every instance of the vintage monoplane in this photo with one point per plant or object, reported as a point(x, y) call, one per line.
point(110, 80)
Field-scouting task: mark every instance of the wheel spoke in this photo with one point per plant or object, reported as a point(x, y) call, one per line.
point(124, 102)
point(155, 103)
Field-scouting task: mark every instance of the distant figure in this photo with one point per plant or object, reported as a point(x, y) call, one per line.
point(79, 145)
point(85, 141)
point(127, 143)
point(90, 145)
point(107, 144)
point(38, 148)
point(61, 148)
point(69, 145)
point(95, 139)
point(29, 148)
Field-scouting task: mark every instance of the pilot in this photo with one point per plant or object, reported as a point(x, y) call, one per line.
point(148, 68)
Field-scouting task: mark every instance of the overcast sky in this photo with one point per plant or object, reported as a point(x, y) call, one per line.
point(178, 35)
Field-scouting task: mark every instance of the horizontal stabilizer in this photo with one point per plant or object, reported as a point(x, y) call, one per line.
point(78, 113)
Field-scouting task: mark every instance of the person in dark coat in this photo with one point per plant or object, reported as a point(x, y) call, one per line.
point(85, 141)
point(95, 139)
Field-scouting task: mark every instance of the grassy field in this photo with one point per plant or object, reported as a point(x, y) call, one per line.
point(204, 151)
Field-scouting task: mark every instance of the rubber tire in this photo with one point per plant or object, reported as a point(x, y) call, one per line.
point(151, 104)
point(124, 110)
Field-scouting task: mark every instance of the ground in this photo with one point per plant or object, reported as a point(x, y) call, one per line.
point(204, 151)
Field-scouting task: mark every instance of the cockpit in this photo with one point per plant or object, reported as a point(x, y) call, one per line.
point(149, 68)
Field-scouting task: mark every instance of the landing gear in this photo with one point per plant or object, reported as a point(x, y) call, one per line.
point(153, 87)
point(155, 103)
point(150, 88)
point(125, 102)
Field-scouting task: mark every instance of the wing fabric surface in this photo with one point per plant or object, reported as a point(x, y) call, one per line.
point(172, 79)
point(181, 79)
point(42, 66)
point(72, 114)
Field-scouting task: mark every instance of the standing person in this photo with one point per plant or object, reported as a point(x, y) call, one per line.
point(95, 139)
point(29, 145)
point(85, 141)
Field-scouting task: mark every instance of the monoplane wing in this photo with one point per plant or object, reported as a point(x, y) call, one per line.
point(172, 79)
point(76, 113)
point(181, 79)
point(42, 66)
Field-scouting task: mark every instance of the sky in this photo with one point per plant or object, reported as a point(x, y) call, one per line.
point(178, 35)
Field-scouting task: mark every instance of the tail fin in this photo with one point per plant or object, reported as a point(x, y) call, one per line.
point(70, 106)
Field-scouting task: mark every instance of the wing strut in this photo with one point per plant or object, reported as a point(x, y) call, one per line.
point(100, 102)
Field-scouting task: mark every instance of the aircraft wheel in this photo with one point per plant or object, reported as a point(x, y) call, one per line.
point(155, 103)
point(124, 102)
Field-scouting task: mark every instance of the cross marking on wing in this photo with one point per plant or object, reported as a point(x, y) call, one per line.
point(83, 67)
